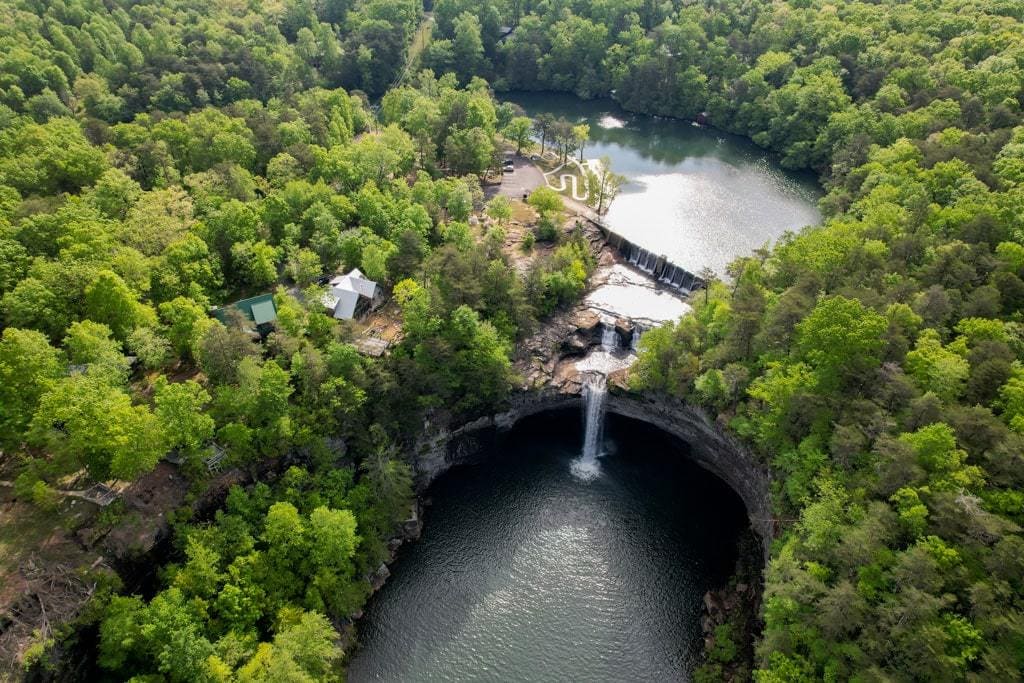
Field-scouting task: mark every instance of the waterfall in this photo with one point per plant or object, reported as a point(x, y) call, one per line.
point(595, 390)
point(609, 337)
point(636, 337)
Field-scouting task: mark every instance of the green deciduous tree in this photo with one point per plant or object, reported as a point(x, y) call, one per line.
point(935, 368)
point(179, 407)
point(602, 185)
point(28, 366)
point(841, 340)
point(255, 263)
point(48, 158)
point(469, 151)
point(95, 425)
point(518, 131)
point(110, 301)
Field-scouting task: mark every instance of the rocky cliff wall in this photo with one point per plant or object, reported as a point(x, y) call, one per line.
point(710, 445)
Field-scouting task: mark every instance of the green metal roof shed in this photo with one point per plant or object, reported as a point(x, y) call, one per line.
point(263, 312)
point(259, 309)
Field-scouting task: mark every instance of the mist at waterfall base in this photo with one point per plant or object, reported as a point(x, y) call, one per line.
point(526, 573)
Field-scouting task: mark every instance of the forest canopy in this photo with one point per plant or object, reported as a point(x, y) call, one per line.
point(159, 158)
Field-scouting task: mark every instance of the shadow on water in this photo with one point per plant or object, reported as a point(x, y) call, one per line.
point(656, 141)
point(697, 195)
point(524, 572)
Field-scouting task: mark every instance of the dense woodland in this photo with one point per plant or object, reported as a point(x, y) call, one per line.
point(159, 158)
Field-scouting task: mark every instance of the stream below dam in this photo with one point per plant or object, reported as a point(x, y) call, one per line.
point(581, 545)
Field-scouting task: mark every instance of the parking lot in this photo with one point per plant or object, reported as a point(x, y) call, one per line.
point(524, 179)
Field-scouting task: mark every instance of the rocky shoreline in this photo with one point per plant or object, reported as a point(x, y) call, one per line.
point(731, 619)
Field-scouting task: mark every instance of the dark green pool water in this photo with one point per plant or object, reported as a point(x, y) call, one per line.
point(526, 573)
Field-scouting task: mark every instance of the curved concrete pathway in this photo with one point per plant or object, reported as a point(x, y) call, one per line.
point(567, 179)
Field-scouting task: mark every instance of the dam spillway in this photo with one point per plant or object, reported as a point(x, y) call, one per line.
point(657, 266)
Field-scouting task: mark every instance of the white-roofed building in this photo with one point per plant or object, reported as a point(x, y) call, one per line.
point(350, 295)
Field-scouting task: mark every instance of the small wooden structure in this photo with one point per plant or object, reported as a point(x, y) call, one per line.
point(215, 458)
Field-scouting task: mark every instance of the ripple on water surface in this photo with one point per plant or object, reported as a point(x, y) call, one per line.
point(526, 573)
point(697, 195)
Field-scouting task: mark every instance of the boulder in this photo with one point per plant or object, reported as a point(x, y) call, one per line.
point(378, 578)
point(413, 526)
point(587, 321)
point(567, 378)
point(624, 328)
point(576, 345)
point(619, 379)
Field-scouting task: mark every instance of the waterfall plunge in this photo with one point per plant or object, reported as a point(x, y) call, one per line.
point(595, 390)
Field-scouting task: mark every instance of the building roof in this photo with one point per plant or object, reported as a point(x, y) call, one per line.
point(263, 312)
point(345, 292)
point(259, 309)
point(342, 302)
point(357, 282)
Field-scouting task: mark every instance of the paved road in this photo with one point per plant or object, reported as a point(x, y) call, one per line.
point(525, 179)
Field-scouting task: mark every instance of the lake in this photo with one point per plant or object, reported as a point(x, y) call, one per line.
point(696, 195)
point(527, 573)
point(528, 570)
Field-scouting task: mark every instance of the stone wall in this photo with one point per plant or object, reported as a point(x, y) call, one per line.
point(710, 445)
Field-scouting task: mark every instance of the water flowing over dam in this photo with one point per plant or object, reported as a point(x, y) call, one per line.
point(659, 267)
